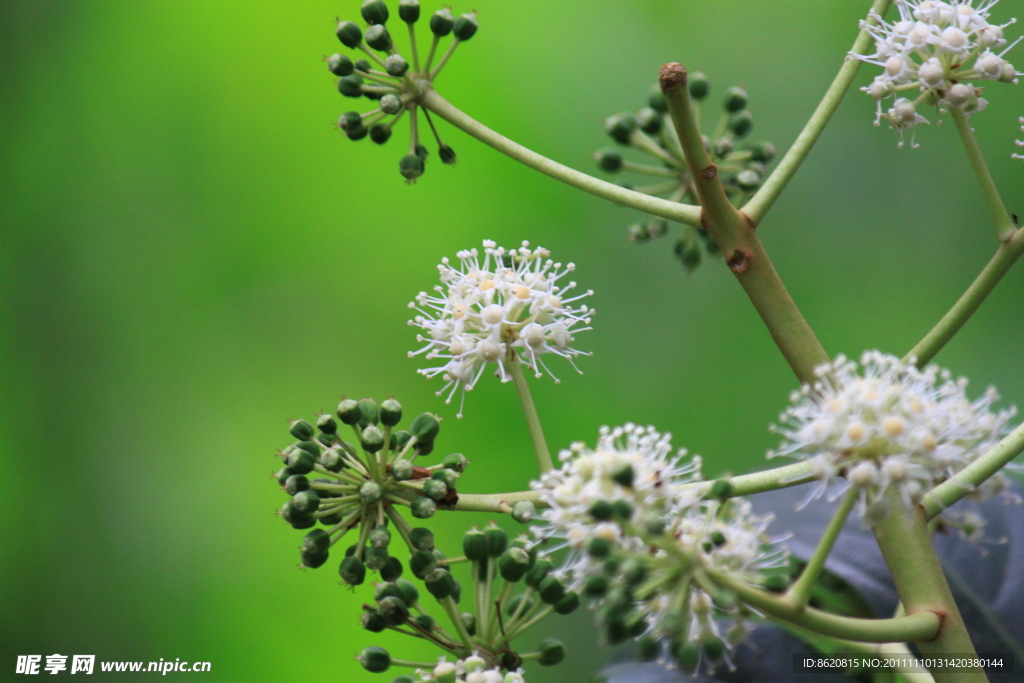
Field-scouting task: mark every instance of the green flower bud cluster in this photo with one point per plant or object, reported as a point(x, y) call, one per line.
point(396, 81)
point(742, 165)
point(359, 484)
point(512, 589)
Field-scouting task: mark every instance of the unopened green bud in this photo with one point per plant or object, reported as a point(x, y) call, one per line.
point(421, 563)
point(649, 121)
point(776, 583)
point(609, 160)
point(396, 65)
point(687, 656)
point(371, 492)
point(440, 583)
point(516, 605)
point(423, 508)
point(409, 11)
point(392, 569)
point(513, 564)
point(404, 679)
point(424, 447)
point(283, 474)
point(455, 462)
point(699, 85)
point(595, 586)
point(721, 489)
point(340, 65)
point(551, 590)
point(599, 547)
point(741, 123)
point(351, 85)
point(301, 462)
point(447, 154)
point(373, 622)
point(735, 99)
point(422, 538)
point(633, 572)
point(356, 133)
point(568, 604)
point(352, 570)
point(402, 470)
point(425, 427)
point(390, 412)
point(380, 133)
point(442, 22)
point(378, 38)
point(541, 568)
point(638, 233)
point(372, 439)
point(689, 254)
point(317, 539)
point(380, 537)
point(714, 648)
point(362, 65)
point(497, 541)
point(301, 430)
point(601, 510)
point(469, 621)
point(411, 167)
point(723, 147)
point(524, 511)
point(425, 622)
point(393, 610)
point(306, 502)
point(326, 424)
point(349, 33)
point(375, 659)
point(399, 439)
point(748, 179)
point(390, 104)
point(465, 26)
point(656, 100)
point(349, 412)
point(408, 592)
point(762, 151)
point(312, 558)
point(623, 475)
point(620, 126)
point(435, 488)
point(449, 477)
point(422, 152)
point(375, 558)
point(474, 545)
point(374, 12)
point(296, 483)
point(551, 652)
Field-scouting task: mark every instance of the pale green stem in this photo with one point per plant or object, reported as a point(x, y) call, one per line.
point(919, 626)
point(1004, 224)
point(735, 235)
point(972, 476)
point(495, 502)
point(906, 545)
point(1007, 254)
point(404, 528)
point(773, 186)
point(800, 591)
point(452, 610)
point(682, 213)
point(759, 482)
point(540, 446)
point(444, 60)
point(412, 48)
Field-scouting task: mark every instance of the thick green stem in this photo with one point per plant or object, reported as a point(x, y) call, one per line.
point(773, 186)
point(1004, 224)
point(495, 502)
point(682, 213)
point(759, 482)
point(800, 591)
point(920, 626)
point(734, 233)
point(540, 446)
point(906, 545)
point(972, 476)
point(1007, 254)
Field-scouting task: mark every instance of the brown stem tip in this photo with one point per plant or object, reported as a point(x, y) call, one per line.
point(672, 76)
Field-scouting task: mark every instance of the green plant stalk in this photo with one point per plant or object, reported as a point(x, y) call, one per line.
point(1006, 255)
point(765, 197)
point(540, 446)
point(735, 235)
point(972, 476)
point(906, 544)
point(920, 626)
point(683, 213)
point(1004, 224)
point(800, 592)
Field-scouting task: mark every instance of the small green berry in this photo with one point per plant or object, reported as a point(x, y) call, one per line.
point(423, 508)
point(409, 11)
point(351, 85)
point(375, 659)
point(396, 65)
point(551, 652)
point(465, 26)
point(378, 38)
point(609, 160)
point(411, 167)
point(374, 12)
point(340, 65)
point(442, 22)
point(699, 85)
point(735, 99)
point(349, 34)
point(352, 570)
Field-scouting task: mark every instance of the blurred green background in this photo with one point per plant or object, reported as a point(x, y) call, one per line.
point(190, 255)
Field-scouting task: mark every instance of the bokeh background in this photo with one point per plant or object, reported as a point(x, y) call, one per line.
point(190, 255)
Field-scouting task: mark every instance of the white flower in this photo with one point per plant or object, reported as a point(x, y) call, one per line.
point(888, 425)
point(486, 309)
point(930, 54)
point(630, 477)
point(1020, 143)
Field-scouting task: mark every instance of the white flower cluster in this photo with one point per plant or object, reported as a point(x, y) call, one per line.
point(888, 425)
point(628, 522)
point(472, 669)
point(929, 55)
point(1020, 143)
point(632, 470)
point(487, 309)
